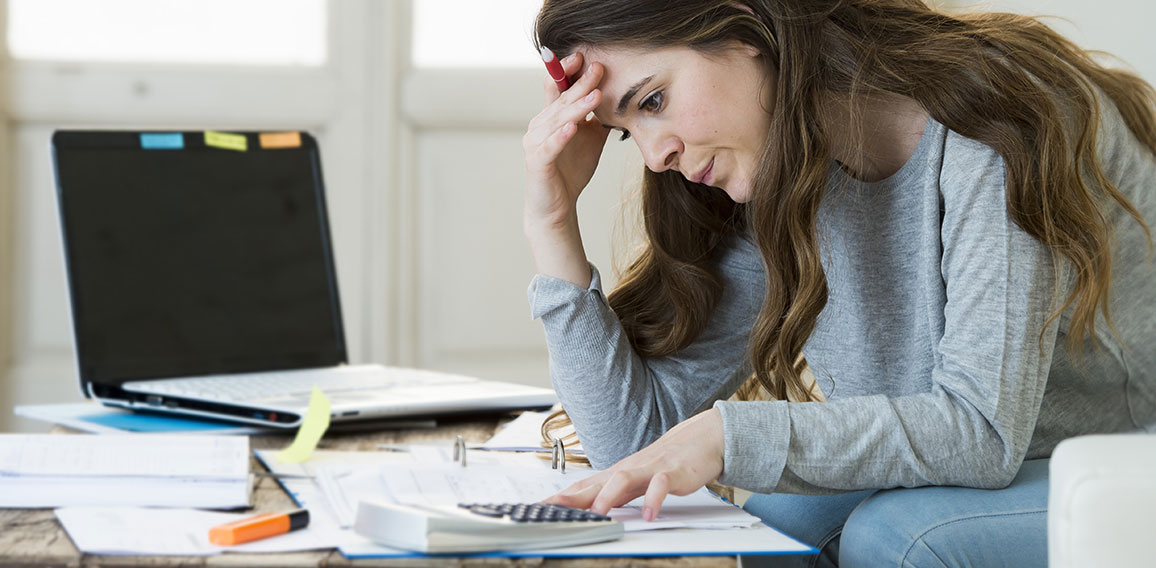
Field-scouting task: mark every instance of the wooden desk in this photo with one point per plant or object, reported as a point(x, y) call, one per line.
point(33, 537)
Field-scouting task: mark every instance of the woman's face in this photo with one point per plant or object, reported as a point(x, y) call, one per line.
point(704, 116)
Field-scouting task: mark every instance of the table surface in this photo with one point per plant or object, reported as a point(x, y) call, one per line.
point(33, 537)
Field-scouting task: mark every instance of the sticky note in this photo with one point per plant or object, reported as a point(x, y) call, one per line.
point(312, 429)
point(280, 139)
point(226, 141)
point(162, 140)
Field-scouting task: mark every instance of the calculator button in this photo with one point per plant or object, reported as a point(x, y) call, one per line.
point(486, 511)
point(533, 512)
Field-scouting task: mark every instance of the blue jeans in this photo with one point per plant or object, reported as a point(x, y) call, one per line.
point(922, 526)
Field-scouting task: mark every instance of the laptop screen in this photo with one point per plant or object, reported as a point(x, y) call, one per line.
point(190, 259)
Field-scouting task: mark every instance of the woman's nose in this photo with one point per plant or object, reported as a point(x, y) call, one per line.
point(660, 153)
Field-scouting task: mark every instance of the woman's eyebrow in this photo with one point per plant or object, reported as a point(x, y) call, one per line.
point(633, 90)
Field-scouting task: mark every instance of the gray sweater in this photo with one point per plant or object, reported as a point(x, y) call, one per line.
point(928, 349)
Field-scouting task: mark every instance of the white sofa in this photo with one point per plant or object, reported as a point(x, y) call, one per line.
point(1102, 502)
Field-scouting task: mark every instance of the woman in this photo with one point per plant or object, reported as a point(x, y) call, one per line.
point(944, 218)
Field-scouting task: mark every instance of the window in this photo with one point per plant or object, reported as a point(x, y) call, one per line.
point(261, 32)
point(474, 33)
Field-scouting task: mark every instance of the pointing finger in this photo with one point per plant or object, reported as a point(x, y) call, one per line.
point(655, 494)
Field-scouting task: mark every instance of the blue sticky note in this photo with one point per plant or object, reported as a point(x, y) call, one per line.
point(162, 141)
point(154, 423)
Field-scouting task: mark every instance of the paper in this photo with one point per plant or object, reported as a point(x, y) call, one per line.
point(280, 139)
point(185, 532)
point(191, 457)
point(307, 493)
point(43, 470)
point(226, 141)
point(523, 431)
point(524, 434)
point(431, 478)
point(343, 484)
point(757, 540)
point(449, 485)
point(312, 428)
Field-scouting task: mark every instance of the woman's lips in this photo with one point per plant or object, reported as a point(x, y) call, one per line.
point(705, 176)
point(708, 175)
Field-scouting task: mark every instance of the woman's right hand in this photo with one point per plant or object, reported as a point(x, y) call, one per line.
point(562, 147)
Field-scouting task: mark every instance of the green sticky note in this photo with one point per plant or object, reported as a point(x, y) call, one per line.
point(312, 429)
point(226, 140)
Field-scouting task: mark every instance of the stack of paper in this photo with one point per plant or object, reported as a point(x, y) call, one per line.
point(44, 470)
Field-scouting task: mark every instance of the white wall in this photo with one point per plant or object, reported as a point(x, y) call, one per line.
point(1122, 28)
point(349, 104)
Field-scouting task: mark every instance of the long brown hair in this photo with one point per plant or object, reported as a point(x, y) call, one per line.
point(1005, 80)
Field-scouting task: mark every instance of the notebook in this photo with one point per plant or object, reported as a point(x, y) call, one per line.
point(202, 282)
point(46, 470)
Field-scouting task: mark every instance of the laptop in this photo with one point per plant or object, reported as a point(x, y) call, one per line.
point(202, 283)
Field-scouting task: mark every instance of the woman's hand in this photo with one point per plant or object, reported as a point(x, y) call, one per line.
point(562, 148)
point(684, 459)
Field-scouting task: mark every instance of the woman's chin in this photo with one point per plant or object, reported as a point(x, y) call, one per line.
point(738, 193)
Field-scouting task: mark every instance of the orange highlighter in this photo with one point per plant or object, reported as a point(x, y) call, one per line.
point(261, 526)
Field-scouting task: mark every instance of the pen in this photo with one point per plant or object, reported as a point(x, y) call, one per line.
point(512, 449)
point(261, 526)
point(554, 68)
point(275, 475)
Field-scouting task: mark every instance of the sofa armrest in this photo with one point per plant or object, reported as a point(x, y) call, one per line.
point(1102, 501)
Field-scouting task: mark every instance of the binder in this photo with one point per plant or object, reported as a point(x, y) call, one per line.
point(756, 540)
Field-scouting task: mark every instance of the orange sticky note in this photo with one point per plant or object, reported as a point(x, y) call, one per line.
point(280, 139)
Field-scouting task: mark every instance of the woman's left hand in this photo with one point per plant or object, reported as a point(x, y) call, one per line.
point(684, 459)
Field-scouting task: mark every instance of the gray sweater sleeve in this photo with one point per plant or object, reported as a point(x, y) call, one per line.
point(620, 402)
point(972, 424)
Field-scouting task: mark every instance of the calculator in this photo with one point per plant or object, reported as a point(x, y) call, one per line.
point(481, 527)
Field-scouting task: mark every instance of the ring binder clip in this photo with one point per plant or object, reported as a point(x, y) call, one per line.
point(460, 451)
point(558, 455)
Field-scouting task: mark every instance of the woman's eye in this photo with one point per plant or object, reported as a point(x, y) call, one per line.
point(653, 103)
point(625, 135)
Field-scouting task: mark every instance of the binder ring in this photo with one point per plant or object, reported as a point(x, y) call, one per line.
point(460, 451)
point(558, 455)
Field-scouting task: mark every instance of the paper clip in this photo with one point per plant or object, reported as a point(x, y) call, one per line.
point(558, 455)
point(460, 451)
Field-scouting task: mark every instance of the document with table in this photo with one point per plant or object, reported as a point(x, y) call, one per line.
point(332, 485)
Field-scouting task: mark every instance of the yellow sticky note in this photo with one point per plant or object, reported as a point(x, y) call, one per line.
point(312, 429)
point(226, 140)
point(279, 139)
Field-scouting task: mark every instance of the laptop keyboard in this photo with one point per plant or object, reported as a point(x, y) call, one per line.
point(253, 386)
